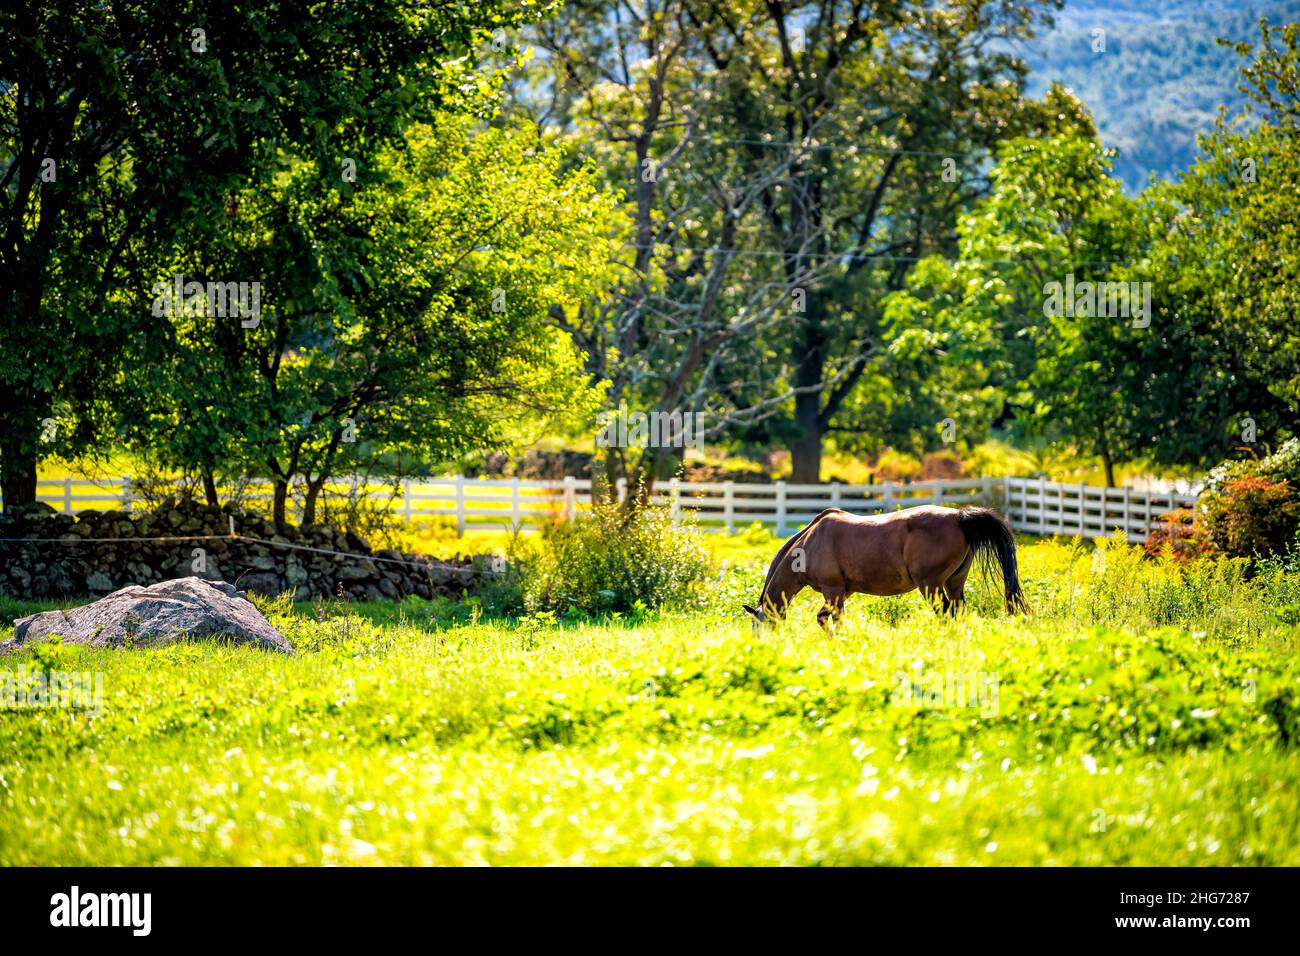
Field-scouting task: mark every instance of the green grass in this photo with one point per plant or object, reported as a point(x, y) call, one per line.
point(1145, 714)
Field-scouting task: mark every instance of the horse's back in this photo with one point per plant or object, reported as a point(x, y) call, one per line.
point(882, 554)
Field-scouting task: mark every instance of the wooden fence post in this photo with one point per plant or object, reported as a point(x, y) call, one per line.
point(780, 509)
point(67, 496)
point(1083, 511)
point(126, 493)
point(516, 516)
point(460, 505)
point(674, 500)
point(888, 504)
point(729, 505)
point(570, 497)
point(1042, 504)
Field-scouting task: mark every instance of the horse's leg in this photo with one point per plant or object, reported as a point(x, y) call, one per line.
point(954, 589)
point(832, 610)
point(954, 593)
point(932, 591)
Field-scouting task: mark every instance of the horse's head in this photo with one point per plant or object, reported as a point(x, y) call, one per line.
point(759, 615)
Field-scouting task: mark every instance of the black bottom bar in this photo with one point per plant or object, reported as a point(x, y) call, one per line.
point(332, 906)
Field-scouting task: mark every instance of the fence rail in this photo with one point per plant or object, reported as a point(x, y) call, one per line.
point(1033, 505)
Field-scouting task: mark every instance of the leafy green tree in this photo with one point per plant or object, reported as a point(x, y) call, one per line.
point(1225, 256)
point(407, 317)
point(787, 164)
point(120, 122)
point(1055, 224)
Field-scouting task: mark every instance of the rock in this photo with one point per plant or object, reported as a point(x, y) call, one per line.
point(99, 581)
point(356, 543)
point(295, 574)
point(263, 582)
point(177, 610)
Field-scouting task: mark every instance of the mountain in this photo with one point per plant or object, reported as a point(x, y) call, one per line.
point(1161, 78)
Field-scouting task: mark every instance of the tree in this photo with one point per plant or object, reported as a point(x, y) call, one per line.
point(800, 156)
point(122, 121)
point(407, 317)
point(1226, 261)
point(1024, 294)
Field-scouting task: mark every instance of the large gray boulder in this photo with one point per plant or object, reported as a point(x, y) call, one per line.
point(179, 610)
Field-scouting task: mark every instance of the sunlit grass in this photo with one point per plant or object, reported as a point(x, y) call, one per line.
point(1144, 714)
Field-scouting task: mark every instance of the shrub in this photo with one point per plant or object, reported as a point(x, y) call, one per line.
point(614, 560)
point(944, 465)
point(1178, 534)
point(1251, 515)
point(893, 465)
point(1282, 465)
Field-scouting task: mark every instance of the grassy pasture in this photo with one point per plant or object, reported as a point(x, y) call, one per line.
point(1144, 714)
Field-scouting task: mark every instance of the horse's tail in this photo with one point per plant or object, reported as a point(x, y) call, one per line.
point(994, 545)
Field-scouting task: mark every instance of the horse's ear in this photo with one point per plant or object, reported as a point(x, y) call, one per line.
point(750, 609)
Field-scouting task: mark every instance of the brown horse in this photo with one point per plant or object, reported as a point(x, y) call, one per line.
point(930, 548)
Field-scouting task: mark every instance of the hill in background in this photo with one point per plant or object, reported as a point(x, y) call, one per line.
point(1162, 78)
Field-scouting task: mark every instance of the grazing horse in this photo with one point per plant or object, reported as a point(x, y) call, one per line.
point(930, 548)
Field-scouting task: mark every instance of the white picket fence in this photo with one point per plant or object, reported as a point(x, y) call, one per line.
point(1033, 505)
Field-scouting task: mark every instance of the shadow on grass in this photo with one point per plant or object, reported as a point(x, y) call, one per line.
point(443, 614)
point(432, 616)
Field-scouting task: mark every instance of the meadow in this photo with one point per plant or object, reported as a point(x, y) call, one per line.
point(1146, 713)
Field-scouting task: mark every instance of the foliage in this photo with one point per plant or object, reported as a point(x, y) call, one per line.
point(406, 318)
point(786, 164)
point(614, 559)
point(151, 122)
point(1224, 263)
point(1251, 515)
point(1250, 506)
point(1177, 535)
point(893, 465)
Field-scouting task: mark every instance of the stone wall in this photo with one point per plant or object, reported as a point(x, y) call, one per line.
point(73, 566)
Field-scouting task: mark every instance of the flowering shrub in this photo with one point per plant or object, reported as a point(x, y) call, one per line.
point(1178, 535)
point(1250, 516)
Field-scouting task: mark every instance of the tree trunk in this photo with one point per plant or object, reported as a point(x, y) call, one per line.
point(806, 449)
point(1103, 446)
point(210, 489)
point(281, 496)
point(18, 458)
point(309, 500)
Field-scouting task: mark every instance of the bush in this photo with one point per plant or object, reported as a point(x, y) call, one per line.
point(1250, 516)
point(1178, 534)
point(1282, 465)
point(943, 465)
point(893, 465)
point(614, 560)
